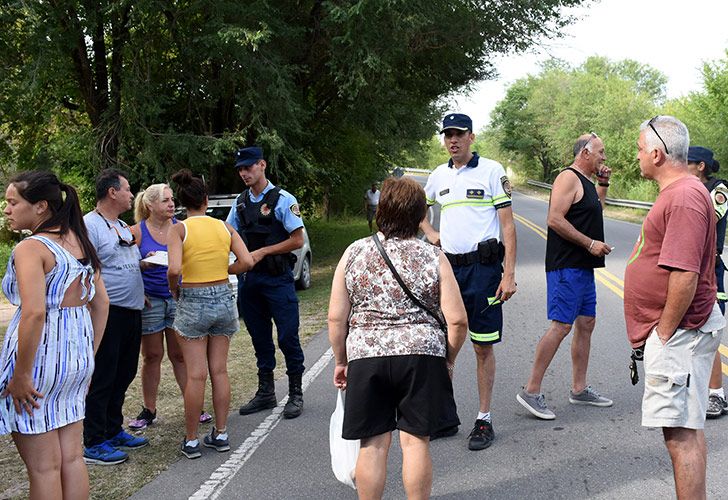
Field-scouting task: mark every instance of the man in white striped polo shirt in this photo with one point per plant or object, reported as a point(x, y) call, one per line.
point(478, 236)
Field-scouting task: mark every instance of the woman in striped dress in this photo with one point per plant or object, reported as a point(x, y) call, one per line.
point(47, 357)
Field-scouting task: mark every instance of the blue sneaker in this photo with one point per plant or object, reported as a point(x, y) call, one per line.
point(126, 441)
point(103, 454)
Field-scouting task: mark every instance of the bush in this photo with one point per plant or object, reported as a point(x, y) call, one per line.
point(5, 251)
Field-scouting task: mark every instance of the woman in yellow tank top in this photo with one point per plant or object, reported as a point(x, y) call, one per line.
point(207, 314)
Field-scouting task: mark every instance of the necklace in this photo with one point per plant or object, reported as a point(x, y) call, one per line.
point(588, 176)
point(159, 230)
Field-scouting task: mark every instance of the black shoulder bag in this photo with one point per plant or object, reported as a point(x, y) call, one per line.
point(409, 293)
point(448, 418)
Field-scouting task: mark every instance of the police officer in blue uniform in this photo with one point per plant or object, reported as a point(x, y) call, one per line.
point(269, 221)
point(702, 164)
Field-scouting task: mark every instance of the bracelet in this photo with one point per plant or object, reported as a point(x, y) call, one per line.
point(591, 245)
point(604, 184)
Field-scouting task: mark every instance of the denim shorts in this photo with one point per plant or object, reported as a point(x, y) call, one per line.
point(570, 293)
point(158, 315)
point(208, 310)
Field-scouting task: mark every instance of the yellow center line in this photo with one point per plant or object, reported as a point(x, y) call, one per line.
point(614, 283)
point(723, 350)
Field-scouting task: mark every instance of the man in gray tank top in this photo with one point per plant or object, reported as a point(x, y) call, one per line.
point(574, 247)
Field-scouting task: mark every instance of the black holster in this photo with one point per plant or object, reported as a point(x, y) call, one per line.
point(491, 251)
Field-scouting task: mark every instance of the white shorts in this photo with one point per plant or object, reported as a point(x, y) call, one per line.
point(676, 378)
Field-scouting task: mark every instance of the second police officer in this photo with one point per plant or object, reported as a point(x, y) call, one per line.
point(702, 164)
point(269, 221)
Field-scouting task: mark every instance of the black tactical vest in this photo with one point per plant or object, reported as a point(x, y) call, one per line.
point(259, 228)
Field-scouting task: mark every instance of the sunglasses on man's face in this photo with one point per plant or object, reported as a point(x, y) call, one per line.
point(650, 123)
point(122, 241)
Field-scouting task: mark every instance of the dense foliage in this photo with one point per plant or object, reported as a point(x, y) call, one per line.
point(536, 124)
point(541, 116)
point(336, 91)
point(706, 112)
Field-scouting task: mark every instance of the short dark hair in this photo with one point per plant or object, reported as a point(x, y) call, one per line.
point(191, 190)
point(107, 179)
point(401, 208)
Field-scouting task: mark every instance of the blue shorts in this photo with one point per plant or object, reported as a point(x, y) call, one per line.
point(158, 315)
point(570, 293)
point(207, 310)
point(478, 284)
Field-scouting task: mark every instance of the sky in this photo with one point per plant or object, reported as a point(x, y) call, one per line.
point(673, 36)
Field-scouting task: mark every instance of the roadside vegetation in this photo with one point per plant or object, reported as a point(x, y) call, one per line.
point(326, 88)
point(533, 128)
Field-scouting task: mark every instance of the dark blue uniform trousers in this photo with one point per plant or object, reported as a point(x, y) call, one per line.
point(262, 298)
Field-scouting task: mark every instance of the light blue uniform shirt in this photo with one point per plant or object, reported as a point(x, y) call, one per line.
point(119, 265)
point(286, 209)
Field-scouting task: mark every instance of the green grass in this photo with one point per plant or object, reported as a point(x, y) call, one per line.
point(329, 239)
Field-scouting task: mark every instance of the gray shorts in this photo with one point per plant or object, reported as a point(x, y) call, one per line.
point(158, 315)
point(676, 378)
point(371, 212)
point(209, 310)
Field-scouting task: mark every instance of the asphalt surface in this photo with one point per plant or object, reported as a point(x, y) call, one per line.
point(586, 452)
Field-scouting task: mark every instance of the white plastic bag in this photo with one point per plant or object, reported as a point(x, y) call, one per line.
point(344, 452)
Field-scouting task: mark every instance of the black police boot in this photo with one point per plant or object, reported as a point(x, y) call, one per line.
point(294, 406)
point(265, 398)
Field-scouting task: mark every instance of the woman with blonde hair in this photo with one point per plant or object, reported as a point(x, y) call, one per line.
point(207, 315)
point(154, 216)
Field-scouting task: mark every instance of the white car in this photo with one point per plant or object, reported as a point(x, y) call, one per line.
point(219, 207)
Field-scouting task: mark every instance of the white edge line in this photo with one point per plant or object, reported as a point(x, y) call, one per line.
point(221, 477)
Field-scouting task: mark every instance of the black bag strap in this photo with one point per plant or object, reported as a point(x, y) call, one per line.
point(409, 293)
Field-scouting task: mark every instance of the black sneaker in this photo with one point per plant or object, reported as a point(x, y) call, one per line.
point(190, 451)
point(213, 440)
point(143, 420)
point(481, 436)
point(444, 433)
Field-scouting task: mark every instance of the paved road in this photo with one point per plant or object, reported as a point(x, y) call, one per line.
point(585, 453)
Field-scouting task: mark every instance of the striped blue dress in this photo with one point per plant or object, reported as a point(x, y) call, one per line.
point(64, 361)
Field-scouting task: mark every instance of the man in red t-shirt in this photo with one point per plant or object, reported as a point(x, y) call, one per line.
point(669, 301)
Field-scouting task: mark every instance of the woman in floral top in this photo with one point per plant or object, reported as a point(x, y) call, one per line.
point(391, 355)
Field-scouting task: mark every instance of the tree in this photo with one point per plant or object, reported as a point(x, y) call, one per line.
point(706, 112)
point(327, 87)
point(541, 116)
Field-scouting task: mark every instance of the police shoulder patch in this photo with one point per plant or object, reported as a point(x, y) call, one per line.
point(295, 210)
point(444, 192)
point(506, 185)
